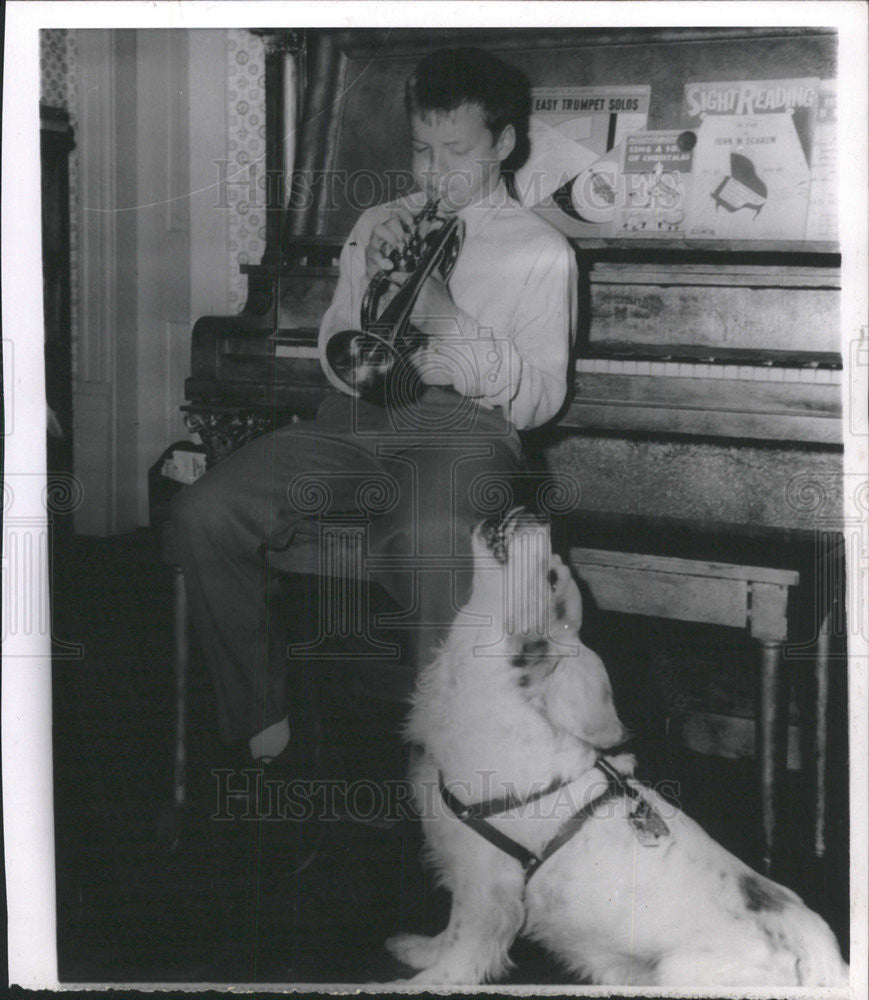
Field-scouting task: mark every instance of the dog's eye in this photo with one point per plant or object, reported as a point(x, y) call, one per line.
point(552, 576)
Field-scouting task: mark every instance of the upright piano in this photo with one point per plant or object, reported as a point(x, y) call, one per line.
point(728, 352)
point(705, 418)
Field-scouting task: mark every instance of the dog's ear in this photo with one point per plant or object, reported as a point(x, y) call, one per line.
point(579, 698)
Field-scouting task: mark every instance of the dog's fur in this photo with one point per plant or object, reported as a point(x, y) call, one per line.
point(513, 701)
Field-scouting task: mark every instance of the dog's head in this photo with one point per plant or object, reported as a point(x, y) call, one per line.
point(536, 611)
point(538, 596)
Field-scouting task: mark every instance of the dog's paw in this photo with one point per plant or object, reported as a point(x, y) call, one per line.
point(449, 973)
point(419, 951)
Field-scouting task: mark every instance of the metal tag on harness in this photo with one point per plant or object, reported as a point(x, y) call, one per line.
point(647, 823)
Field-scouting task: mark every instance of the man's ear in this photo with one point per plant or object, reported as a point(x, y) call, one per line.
point(506, 142)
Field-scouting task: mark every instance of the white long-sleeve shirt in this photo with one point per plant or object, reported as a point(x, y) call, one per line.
point(515, 286)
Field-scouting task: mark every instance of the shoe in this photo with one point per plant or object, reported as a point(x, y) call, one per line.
point(293, 828)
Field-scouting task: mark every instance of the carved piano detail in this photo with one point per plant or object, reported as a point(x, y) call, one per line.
point(259, 369)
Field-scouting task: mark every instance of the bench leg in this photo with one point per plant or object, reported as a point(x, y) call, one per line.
point(181, 657)
point(769, 739)
point(822, 697)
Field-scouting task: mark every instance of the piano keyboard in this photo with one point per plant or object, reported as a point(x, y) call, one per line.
point(808, 374)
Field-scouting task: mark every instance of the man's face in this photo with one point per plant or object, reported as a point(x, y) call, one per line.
point(456, 157)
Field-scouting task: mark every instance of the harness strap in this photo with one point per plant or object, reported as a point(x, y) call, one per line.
point(500, 840)
point(568, 829)
point(473, 817)
point(615, 779)
point(494, 807)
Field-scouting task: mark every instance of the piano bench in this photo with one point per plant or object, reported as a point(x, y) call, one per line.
point(714, 593)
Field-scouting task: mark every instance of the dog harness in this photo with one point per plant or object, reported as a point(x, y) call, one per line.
point(646, 821)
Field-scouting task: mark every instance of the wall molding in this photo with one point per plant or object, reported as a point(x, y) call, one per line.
point(96, 142)
point(96, 277)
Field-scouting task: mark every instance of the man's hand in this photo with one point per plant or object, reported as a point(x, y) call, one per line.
point(434, 312)
point(434, 305)
point(386, 237)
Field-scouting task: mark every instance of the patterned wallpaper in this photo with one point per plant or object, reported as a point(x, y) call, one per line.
point(246, 134)
point(58, 88)
point(57, 66)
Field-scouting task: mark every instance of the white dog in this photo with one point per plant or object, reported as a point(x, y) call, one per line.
point(533, 832)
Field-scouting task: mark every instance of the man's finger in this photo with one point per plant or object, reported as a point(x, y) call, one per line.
point(397, 231)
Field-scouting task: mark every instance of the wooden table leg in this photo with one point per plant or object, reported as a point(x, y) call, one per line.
point(822, 697)
point(179, 592)
point(768, 740)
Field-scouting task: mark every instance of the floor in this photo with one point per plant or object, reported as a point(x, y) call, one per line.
point(218, 902)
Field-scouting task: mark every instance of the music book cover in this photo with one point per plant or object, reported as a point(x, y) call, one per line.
point(752, 162)
point(655, 184)
point(751, 180)
point(577, 134)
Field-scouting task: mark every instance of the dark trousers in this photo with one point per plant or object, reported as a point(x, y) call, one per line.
point(411, 483)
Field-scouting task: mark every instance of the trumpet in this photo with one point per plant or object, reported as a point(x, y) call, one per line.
point(370, 360)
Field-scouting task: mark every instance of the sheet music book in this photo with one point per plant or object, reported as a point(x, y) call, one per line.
point(577, 136)
point(655, 184)
point(752, 178)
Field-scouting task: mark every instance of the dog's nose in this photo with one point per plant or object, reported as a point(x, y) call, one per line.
point(496, 531)
point(492, 533)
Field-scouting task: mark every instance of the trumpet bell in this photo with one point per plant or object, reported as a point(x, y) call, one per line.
point(362, 361)
point(375, 361)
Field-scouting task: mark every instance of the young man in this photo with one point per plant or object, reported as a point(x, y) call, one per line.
point(495, 362)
